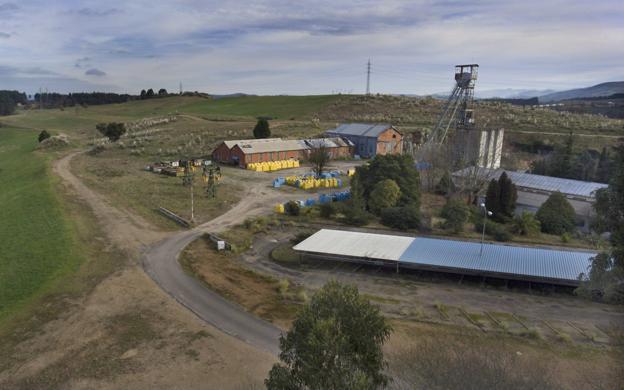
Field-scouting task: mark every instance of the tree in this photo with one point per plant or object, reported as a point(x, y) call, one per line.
point(149, 94)
point(112, 130)
point(607, 271)
point(556, 215)
point(492, 197)
point(143, 94)
point(508, 197)
point(456, 213)
point(7, 104)
point(262, 129)
point(43, 136)
point(445, 186)
point(319, 157)
point(385, 194)
point(585, 167)
point(162, 92)
point(604, 166)
point(334, 343)
point(399, 168)
point(402, 218)
point(526, 224)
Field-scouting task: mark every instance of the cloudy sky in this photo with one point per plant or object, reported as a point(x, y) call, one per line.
point(307, 47)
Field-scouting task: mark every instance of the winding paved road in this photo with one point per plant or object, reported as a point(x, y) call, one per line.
point(159, 255)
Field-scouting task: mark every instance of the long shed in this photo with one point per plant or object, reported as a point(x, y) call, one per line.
point(561, 267)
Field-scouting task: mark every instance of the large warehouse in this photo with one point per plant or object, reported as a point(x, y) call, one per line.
point(559, 267)
point(243, 152)
point(534, 190)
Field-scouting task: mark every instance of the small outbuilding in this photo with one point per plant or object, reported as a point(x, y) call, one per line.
point(370, 140)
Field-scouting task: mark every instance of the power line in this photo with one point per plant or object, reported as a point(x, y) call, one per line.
point(368, 72)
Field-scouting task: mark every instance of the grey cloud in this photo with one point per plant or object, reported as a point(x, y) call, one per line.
point(95, 72)
point(6, 70)
point(91, 12)
point(82, 62)
point(6, 7)
point(4, 35)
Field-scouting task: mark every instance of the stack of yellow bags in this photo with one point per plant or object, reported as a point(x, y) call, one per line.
point(273, 165)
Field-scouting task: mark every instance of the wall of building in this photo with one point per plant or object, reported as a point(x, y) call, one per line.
point(389, 142)
point(244, 159)
point(222, 153)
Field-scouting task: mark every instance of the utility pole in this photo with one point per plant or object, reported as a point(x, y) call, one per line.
point(368, 67)
point(192, 203)
point(180, 87)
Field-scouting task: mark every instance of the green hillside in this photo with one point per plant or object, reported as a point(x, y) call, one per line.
point(37, 245)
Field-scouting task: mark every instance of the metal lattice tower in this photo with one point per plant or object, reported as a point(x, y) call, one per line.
point(457, 110)
point(212, 175)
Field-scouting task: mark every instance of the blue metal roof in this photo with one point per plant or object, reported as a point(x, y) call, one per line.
point(505, 261)
point(361, 129)
point(498, 259)
point(539, 182)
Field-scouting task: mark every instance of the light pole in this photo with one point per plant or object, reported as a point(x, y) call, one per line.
point(486, 213)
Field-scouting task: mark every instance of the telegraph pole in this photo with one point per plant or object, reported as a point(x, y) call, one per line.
point(368, 67)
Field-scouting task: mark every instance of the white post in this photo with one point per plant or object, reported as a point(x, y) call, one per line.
point(192, 202)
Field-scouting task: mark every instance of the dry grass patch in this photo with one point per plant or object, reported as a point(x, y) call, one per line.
point(272, 299)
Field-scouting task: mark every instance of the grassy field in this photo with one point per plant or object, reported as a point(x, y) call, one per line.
point(37, 241)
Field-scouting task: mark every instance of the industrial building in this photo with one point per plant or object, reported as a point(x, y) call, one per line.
point(244, 152)
point(533, 190)
point(370, 140)
point(336, 147)
point(559, 267)
point(223, 152)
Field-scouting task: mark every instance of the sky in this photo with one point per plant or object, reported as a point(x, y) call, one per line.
point(307, 47)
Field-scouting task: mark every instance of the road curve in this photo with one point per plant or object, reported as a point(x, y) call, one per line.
point(160, 263)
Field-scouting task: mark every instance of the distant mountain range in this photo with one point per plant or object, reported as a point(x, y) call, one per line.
point(511, 93)
point(604, 89)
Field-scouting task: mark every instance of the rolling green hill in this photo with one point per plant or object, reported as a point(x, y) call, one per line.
point(36, 242)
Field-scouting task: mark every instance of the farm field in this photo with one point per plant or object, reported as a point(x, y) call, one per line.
point(38, 241)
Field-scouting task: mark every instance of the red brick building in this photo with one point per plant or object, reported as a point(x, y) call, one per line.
point(223, 152)
point(245, 152)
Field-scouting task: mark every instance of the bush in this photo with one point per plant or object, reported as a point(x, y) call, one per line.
point(43, 136)
point(292, 208)
point(113, 131)
point(385, 194)
point(526, 224)
point(556, 215)
point(356, 216)
point(401, 218)
point(262, 129)
point(456, 213)
point(496, 230)
point(327, 210)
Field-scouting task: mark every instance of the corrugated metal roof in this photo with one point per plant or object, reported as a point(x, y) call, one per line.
point(531, 263)
point(335, 142)
point(230, 143)
point(361, 129)
point(539, 182)
point(368, 245)
point(273, 146)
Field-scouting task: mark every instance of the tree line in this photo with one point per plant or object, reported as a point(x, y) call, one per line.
point(56, 100)
point(569, 163)
point(9, 101)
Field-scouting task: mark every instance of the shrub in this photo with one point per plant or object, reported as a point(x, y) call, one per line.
point(401, 218)
point(526, 224)
point(356, 217)
point(445, 186)
point(292, 208)
point(327, 210)
point(556, 215)
point(496, 230)
point(565, 237)
point(385, 194)
point(282, 287)
point(456, 213)
point(43, 136)
point(262, 129)
point(113, 131)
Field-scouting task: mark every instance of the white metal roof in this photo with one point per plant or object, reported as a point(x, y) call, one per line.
point(539, 182)
point(277, 145)
point(230, 143)
point(368, 245)
point(453, 255)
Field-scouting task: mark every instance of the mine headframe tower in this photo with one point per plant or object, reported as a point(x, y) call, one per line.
point(457, 111)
